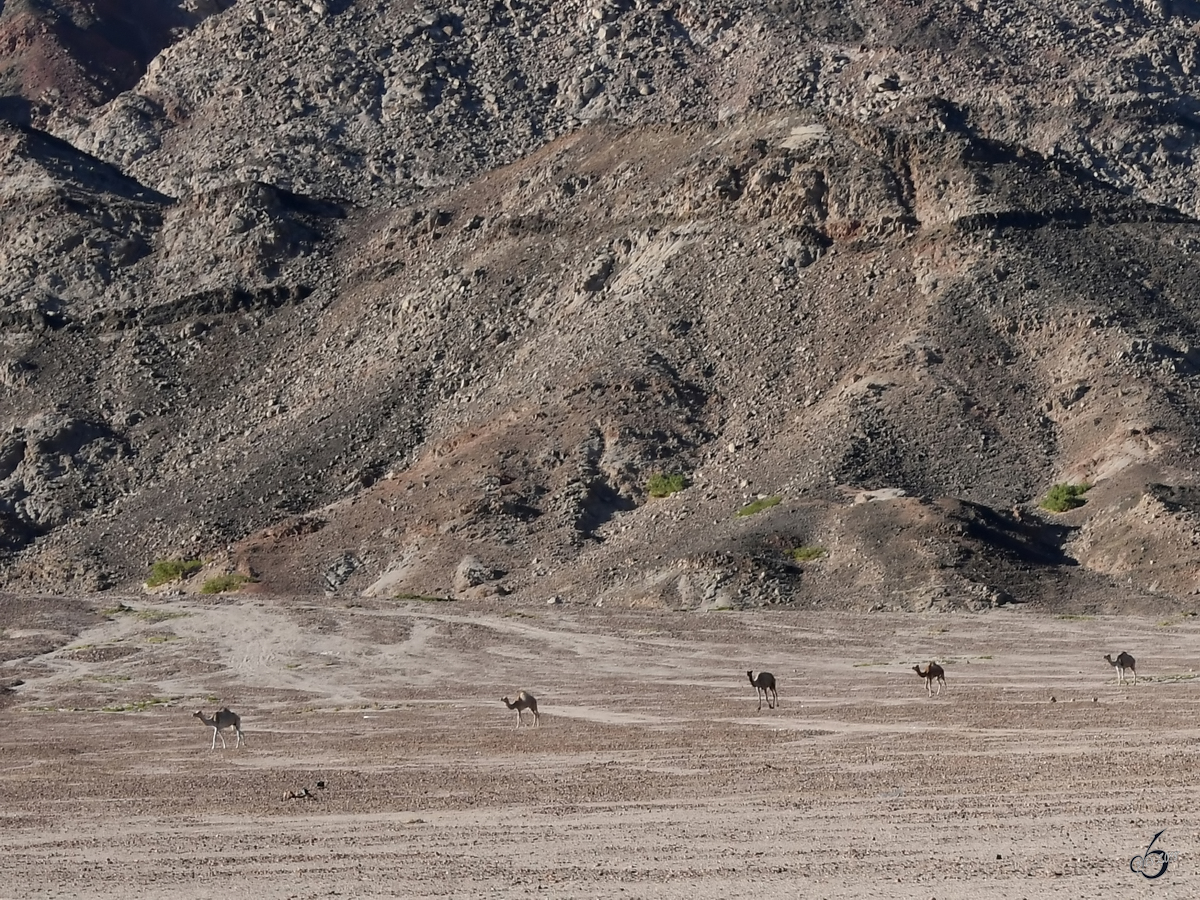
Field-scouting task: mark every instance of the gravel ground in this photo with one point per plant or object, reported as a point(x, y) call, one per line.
point(653, 773)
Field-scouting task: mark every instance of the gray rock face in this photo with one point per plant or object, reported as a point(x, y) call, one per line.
point(51, 470)
point(338, 572)
point(457, 281)
point(474, 579)
point(71, 55)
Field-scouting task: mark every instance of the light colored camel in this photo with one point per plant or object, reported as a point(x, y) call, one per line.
point(223, 718)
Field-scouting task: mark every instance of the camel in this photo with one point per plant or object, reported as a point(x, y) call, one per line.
point(762, 684)
point(525, 700)
point(932, 671)
point(223, 718)
point(1121, 663)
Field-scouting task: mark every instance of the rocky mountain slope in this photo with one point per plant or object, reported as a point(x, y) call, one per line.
point(410, 299)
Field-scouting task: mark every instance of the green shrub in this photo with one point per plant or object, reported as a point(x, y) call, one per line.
point(759, 505)
point(140, 705)
point(219, 584)
point(806, 554)
point(118, 610)
point(1065, 496)
point(167, 570)
point(663, 485)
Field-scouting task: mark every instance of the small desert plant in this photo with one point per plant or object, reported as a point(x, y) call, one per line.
point(663, 485)
point(118, 610)
point(759, 505)
point(806, 554)
point(140, 705)
point(219, 584)
point(158, 615)
point(167, 570)
point(1065, 496)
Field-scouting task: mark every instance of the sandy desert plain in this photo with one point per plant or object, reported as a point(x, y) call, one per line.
point(653, 774)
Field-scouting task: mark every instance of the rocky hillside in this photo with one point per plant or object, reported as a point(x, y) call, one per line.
point(416, 300)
